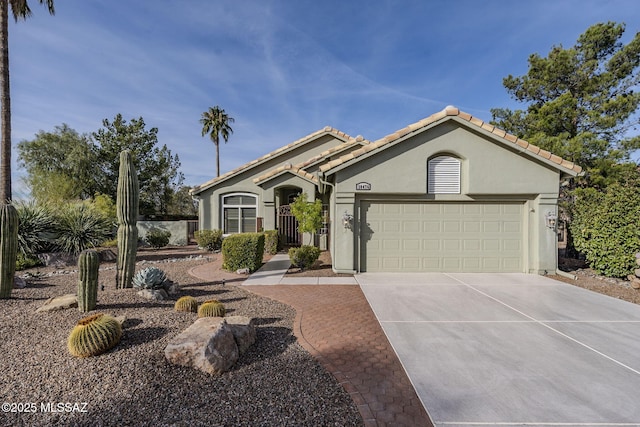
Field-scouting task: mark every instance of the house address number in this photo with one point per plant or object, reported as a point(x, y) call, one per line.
point(363, 186)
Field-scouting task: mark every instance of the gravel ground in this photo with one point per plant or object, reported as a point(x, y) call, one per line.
point(616, 288)
point(588, 279)
point(275, 383)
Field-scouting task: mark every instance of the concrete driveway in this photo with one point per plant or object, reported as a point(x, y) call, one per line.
point(511, 349)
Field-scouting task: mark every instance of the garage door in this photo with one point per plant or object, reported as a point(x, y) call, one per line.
point(456, 237)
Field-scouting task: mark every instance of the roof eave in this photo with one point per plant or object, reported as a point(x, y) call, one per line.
point(304, 175)
point(470, 122)
point(327, 130)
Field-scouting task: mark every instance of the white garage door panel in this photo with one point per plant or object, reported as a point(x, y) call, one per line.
point(471, 237)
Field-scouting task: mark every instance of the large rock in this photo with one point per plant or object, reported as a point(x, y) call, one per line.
point(243, 331)
point(19, 283)
point(58, 259)
point(59, 303)
point(207, 345)
point(171, 288)
point(107, 255)
point(153, 294)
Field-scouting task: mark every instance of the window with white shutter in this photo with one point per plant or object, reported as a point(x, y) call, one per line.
point(443, 175)
point(239, 213)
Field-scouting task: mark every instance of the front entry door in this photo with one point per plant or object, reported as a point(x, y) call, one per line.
point(288, 227)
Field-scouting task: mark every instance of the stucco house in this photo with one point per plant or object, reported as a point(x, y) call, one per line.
point(449, 193)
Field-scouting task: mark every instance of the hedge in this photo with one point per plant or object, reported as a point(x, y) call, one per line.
point(304, 257)
point(244, 250)
point(606, 229)
point(211, 240)
point(271, 242)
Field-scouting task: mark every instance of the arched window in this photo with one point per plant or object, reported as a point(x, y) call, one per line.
point(239, 213)
point(443, 175)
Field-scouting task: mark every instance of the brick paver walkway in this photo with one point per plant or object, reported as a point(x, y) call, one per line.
point(337, 326)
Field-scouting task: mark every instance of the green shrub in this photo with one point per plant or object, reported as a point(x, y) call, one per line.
point(157, 238)
point(106, 206)
point(244, 250)
point(111, 243)
point(36, 223)
point(26, 261)
point(606, 228)
point(304, 256)
point(271, 242)
point(81, 227)
point(210, 240)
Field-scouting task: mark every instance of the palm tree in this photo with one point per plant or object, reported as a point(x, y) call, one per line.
point(20, 10)
point(215, 122)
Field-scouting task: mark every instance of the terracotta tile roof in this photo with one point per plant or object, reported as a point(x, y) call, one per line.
point(448, 113)
point(312, 136)
point(287, 168)
point(300, 167)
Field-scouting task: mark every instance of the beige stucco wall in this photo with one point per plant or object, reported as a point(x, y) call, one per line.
point(179, 230)
point(492, 170)
point(489, 172)
point(487, 167)
point(269, 195)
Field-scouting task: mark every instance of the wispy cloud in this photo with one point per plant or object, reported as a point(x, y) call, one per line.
point(282, 69)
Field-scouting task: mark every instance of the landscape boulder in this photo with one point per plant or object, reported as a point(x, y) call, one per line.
point(171, 287)
point(153, 294)
point(58, 259)
point(635, 278)
point(208, 345)
point(243, 331)
point(59, 303)
point(19, 283)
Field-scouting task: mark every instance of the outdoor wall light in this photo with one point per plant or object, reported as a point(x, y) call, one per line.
point(551, 219)
point(346, 219)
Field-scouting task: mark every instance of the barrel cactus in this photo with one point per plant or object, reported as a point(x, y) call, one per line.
point(94, 335)
point(88, 265)
point(127, 199)
point(8, 248)
point(211, 308)
point(187, 304)
point(149, 278)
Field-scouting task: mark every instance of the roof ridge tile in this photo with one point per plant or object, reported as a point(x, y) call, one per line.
point(366, 146)
point(327, 129)
point(451, 111)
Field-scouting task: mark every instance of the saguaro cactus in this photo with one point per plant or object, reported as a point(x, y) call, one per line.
point(88, 266)
point(127, 212)
point(8, 248)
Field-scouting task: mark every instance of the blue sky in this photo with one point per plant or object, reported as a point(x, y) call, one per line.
point(281, 68)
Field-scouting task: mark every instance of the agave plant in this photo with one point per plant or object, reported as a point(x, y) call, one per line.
point(35, 225)
point(150, 278)
point(80, 228)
